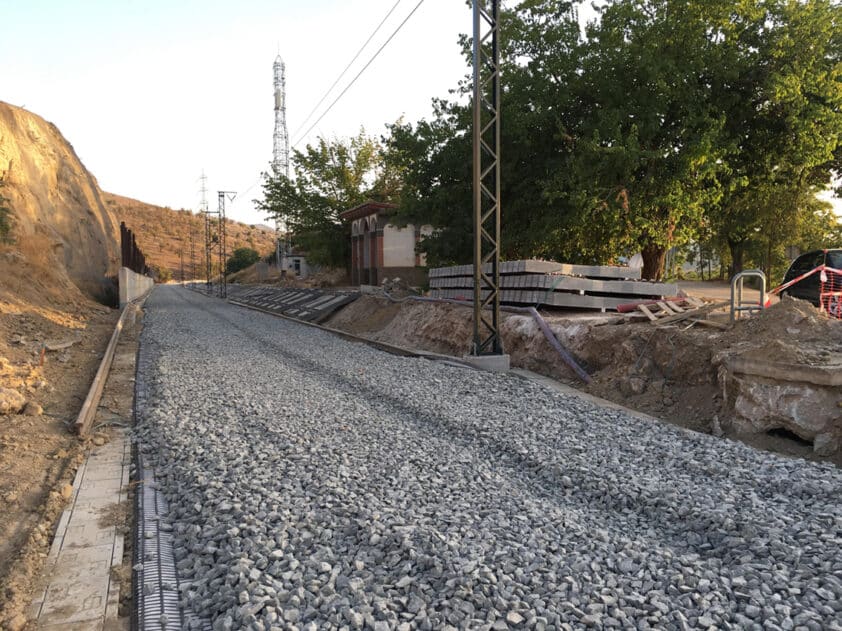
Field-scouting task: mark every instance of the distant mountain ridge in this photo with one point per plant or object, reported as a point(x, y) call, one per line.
point(164, 235)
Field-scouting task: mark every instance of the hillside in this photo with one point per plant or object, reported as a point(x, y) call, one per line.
point(57, 207)
point(163, 234)
point(61, 252)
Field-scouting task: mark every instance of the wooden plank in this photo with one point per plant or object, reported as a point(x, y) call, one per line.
point(701, 311)
point(648, 313)
point(86, 415)
point(710, 323)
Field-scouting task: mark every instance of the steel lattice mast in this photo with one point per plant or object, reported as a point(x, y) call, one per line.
point(280, 149)
point(486, 178)
point(280, 154)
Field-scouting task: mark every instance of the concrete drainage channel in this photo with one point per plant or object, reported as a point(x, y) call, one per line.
point(155, 583)
point(86, 569)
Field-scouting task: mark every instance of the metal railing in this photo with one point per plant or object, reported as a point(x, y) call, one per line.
point(738, 305)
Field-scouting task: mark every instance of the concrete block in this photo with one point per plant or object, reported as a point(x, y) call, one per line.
point(132, 285)
point(542, 267)
point(490, 363)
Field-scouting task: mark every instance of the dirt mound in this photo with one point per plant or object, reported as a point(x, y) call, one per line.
point(791, 331)
point(56, 202)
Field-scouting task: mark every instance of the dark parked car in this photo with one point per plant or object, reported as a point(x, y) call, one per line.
point(810, 287)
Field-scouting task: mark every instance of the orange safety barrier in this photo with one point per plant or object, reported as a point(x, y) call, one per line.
point(830, 294)
point(830, 289)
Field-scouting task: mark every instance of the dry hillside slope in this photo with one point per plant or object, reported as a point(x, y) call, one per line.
point(57, 205)
point(164, 234)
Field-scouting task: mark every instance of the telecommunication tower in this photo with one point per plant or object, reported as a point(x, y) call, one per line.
point(280, 154)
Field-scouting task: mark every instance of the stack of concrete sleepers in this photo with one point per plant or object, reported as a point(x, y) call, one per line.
point(310, 305)
point(602, 287)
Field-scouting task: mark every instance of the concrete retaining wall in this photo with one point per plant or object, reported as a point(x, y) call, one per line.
point(132, 285)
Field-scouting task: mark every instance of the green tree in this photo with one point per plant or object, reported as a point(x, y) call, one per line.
point(241, 258)
point(540, 44)
point(330, 177)
point(670, 121)
point(647, 148)
point(434, 157)
point(780, 91)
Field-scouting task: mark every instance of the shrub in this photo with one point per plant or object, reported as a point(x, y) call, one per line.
point(241, 259)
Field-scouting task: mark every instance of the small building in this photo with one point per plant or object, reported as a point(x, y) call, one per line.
point(297, 264)
point(380, 249)
point(294, 263)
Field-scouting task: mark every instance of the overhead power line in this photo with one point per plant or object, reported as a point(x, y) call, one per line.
point(354, 80)
point(350, 63)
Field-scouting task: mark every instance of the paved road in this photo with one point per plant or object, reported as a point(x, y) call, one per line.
point(317, 483)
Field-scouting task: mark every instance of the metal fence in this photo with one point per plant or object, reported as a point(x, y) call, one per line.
point(132, 257)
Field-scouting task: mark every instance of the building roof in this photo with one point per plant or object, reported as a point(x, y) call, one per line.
point(367, 208)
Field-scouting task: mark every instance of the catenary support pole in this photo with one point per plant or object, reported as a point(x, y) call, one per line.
point(486, 178)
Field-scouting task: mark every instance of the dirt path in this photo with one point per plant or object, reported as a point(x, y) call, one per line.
point(38, 455)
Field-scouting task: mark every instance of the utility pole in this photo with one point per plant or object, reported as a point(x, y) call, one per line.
point(206, 214)
point(181, 256)
point(208, 259)
point(223, 254)
point(192, 253)
point(486, 182)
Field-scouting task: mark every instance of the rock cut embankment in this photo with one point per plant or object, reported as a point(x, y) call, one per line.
point(56, 202)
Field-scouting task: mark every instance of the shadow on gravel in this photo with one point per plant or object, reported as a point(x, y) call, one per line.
point(704, 530)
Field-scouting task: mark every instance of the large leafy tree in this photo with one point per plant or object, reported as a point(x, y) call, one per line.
point(331, 176)
point(779, 86)
point(435, 159)
point(648, 152)
point(607, 146)
point(670, 121)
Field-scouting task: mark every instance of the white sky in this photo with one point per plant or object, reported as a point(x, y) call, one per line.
point(151, 92)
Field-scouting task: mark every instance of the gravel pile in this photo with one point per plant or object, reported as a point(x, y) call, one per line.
point(320, 484)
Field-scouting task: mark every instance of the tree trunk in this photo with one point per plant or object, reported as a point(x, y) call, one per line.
point(653, 261)
point(737, 249)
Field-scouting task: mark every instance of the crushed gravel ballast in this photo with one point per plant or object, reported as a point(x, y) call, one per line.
point(315, 483)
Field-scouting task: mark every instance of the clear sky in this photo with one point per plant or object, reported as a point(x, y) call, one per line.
point(151, 92)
